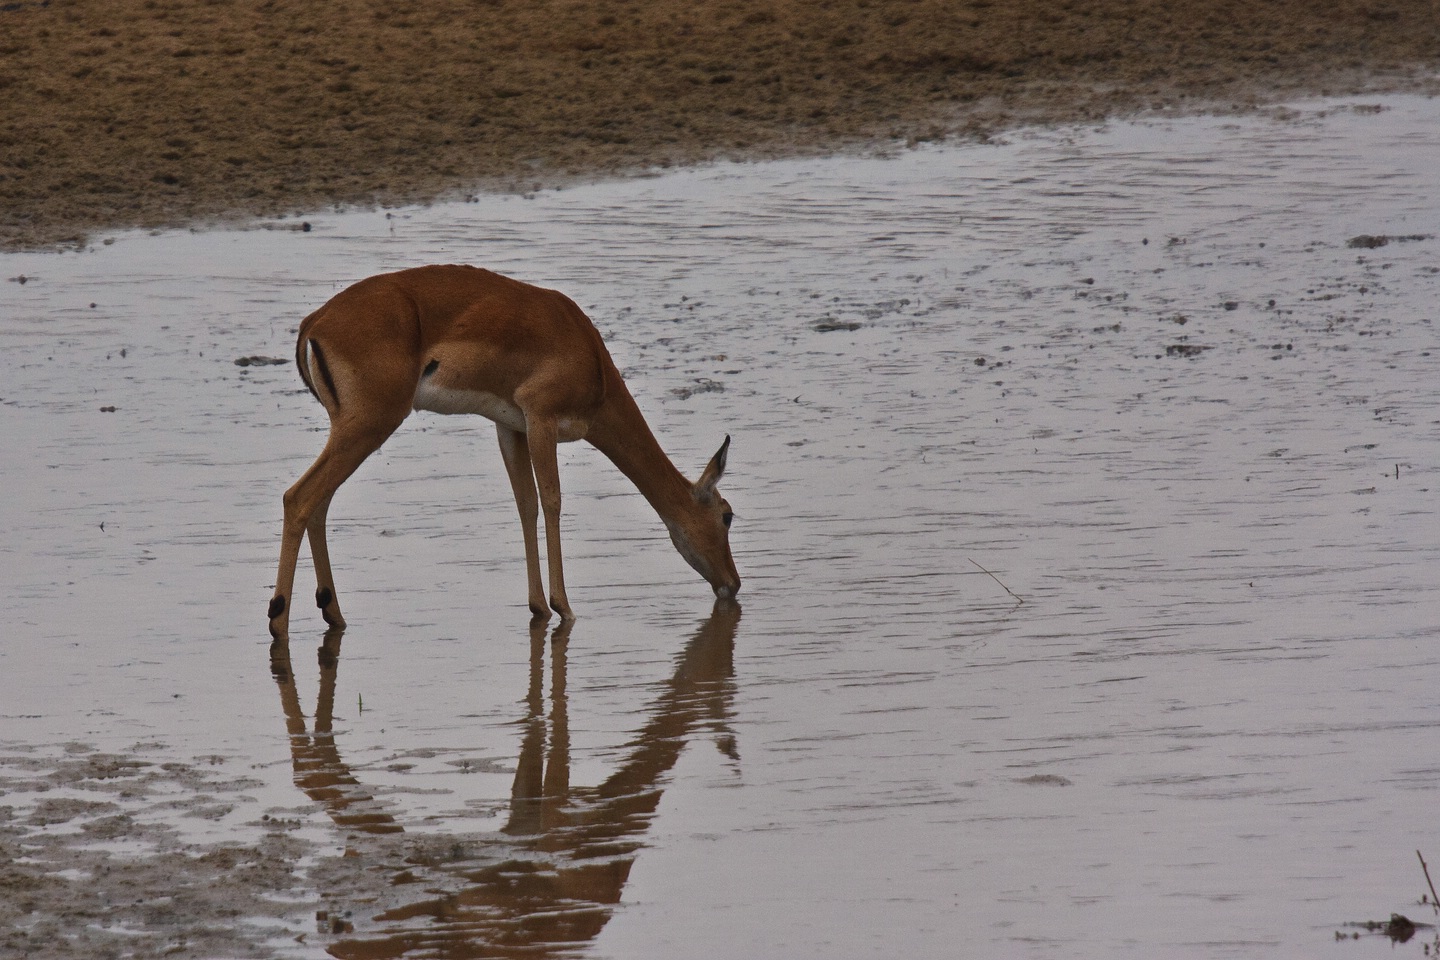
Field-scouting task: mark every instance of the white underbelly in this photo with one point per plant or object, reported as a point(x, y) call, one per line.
point(488, 405)
point(448, 400)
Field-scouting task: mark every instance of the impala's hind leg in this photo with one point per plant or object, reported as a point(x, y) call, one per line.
point(325, 597)
point(306, 505)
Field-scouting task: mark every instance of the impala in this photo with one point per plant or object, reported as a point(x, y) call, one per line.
point(458, 339)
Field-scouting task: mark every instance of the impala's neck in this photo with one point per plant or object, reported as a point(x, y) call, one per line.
point(621, 433)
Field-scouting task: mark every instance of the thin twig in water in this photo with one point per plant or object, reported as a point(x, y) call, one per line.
point(1434, 900)
point(1018, 599)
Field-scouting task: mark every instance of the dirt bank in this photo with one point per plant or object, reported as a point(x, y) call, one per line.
point(122, 113)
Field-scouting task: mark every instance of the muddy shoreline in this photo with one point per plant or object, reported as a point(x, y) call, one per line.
point(157, 113)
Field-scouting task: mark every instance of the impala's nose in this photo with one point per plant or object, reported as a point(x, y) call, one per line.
point(727, 591)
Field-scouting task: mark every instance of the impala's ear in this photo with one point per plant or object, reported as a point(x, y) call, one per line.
point(714, 470)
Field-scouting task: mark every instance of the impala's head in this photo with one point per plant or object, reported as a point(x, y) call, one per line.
point(702, 532)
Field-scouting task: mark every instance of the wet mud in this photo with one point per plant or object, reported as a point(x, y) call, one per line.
point(139, 113)
point(94, 860)
point(1056, 641)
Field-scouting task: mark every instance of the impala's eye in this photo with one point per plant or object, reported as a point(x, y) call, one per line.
point(727, 518)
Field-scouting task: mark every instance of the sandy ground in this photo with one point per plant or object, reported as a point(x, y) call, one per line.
point(124, 113)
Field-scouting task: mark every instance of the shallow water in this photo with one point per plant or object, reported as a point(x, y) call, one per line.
point(1089, 602)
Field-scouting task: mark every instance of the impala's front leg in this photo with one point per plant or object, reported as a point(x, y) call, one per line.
point(516, 451)
point(543, 436)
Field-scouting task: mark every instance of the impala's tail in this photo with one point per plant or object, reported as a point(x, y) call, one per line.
point(303, 367)
point(314, 371)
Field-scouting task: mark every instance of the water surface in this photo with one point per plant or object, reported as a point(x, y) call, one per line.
point(1086, 487)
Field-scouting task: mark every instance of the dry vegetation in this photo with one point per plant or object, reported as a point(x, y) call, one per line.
point(154, 112)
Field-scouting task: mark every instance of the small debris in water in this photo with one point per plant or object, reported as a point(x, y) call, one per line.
point(702, 385)
point(1367, 241)
point(831, 326)
point(1399, 928)
point(1045, 780)
point(258, 361)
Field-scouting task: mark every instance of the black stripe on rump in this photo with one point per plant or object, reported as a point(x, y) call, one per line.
point(325, 371)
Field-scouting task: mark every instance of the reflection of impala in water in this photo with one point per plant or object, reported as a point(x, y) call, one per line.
point(549, 880)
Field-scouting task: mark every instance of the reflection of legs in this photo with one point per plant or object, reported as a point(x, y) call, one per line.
point(319, 769)
point(528, 786)
point(306, 504)
point(542, 772)
point(516, 450)
point(557, 764)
